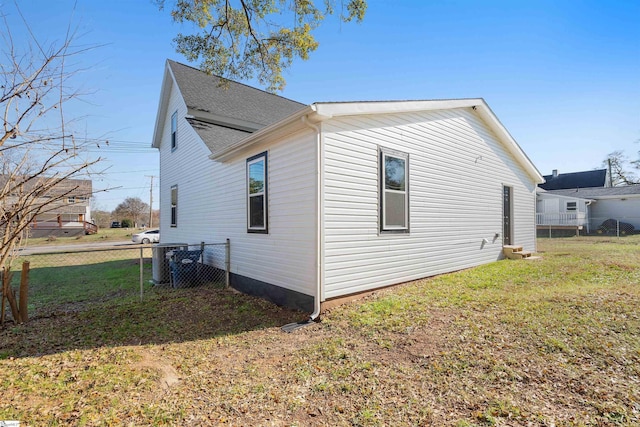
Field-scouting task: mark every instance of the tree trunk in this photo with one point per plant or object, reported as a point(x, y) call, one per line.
point(11, 297)
point(2, 297)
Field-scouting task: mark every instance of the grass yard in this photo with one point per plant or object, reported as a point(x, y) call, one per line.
point(552, 342)
point(103, 235)
point(69, 281)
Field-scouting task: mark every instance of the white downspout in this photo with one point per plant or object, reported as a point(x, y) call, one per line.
point(319, 245)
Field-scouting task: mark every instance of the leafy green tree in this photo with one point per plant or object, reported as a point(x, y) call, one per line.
point(241, 39)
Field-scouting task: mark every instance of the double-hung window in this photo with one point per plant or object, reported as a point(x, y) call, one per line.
point(174, 130)
point(257, 194)
point(572, 206)
point(174, 206)
point(394, 191)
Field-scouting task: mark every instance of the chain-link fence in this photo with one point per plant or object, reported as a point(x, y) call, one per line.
point(182, 266)
point(561, 225)
point(63, 281)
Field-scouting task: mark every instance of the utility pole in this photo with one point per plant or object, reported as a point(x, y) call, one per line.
point(610, 175)
point(150, 201)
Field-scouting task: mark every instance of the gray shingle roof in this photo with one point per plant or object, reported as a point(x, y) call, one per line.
point(217, 137)
point(212, 94)
point(597, 192)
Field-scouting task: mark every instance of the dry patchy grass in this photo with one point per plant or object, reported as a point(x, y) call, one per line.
point(549, 342)
point(103, 235)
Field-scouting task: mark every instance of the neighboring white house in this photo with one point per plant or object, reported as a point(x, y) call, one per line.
point(327, 200)
point(608, 203)
point(554, 211)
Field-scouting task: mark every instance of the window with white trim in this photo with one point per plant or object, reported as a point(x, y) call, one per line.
point(174, 130)
point(174, 206)
point(394, 189)
point(572, 206)
point(257, 194)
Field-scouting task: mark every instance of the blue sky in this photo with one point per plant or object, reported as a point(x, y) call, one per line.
point(562, 76)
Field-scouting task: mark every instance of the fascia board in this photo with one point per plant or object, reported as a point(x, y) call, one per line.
point(618, 196)
point(168, 81)
point(337, 109)
point(328, 110)
point(318, 112)
point(559, 196)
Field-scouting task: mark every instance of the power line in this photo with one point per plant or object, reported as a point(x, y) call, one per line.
point(108, 172)
point(125, 188)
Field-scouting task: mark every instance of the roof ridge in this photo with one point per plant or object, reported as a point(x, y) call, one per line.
point(589, 171)
point(233, 81)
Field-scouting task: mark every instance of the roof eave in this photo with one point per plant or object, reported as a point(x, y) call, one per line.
point(478, 104)
point(562, 196)
point(618, 196)
point(318, 112)
point(258, 136)
point(167, 82)
point(337, 109)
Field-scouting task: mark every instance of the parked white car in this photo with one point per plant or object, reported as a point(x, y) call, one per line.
point(147, 236)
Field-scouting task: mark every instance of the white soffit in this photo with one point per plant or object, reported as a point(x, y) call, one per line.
point(336, 109)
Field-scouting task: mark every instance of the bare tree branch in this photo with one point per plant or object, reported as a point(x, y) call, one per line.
point(619, 169)
point(40, 157)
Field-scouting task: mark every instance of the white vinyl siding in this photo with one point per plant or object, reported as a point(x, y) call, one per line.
point(286, 255)
point(457, 172)
point(213, 204)
point(621, 208)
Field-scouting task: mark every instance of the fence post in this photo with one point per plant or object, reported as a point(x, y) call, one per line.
point(141, 273)
point(24, 292)
point(3, 296)
point(227, 262)
point(618, 228)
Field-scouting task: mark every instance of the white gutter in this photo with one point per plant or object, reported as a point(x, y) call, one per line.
point(319, 210)
point(589, 202)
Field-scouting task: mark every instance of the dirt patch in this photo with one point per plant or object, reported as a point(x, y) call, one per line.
point(168, 374)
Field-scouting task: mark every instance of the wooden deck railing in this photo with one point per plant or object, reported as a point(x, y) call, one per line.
point(90, 228)
point(562, 219)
